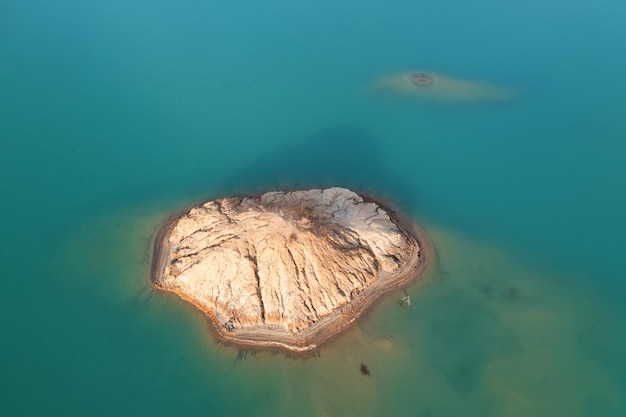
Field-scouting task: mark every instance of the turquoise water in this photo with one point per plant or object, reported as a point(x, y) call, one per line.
point(113, 114)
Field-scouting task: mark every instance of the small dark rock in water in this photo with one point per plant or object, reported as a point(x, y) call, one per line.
point(511, 294)
point(365, 370)
point(486, 289)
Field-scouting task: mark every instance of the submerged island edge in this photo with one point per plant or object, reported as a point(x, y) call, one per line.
point(328, 328)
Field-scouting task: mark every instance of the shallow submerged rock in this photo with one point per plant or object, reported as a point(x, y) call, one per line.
point(442, 88)
point(286, 269)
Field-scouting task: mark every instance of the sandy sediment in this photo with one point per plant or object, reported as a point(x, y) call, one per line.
point(442, 88)
point(330, 325)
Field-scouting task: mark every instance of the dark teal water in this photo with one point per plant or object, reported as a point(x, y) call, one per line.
point(113, 114)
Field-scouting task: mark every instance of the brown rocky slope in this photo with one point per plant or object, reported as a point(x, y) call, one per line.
point(286, 269)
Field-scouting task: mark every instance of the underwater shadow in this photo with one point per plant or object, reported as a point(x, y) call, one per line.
point(464, 338)
point(343, 155)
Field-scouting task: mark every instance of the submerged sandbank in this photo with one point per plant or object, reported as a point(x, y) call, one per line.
point(432, 86)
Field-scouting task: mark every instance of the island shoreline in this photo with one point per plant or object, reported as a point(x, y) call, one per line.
point(330, 327)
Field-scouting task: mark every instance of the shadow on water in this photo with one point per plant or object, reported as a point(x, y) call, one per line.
point(343, 155)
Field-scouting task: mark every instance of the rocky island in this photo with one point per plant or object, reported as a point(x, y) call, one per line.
point(287, 269)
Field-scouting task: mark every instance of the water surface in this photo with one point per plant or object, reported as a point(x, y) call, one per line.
point(114, 114)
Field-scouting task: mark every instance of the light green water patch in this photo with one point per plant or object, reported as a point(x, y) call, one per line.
point(486, 335)
point(490, 336)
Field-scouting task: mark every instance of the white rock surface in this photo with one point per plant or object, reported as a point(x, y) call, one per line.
point(282, 260)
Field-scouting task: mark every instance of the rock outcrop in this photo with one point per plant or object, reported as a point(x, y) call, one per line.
point(286, 269)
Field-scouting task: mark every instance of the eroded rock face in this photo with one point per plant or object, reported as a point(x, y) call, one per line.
point(283, 262)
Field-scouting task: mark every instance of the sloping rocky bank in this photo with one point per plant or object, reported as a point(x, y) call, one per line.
point(287, 269)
